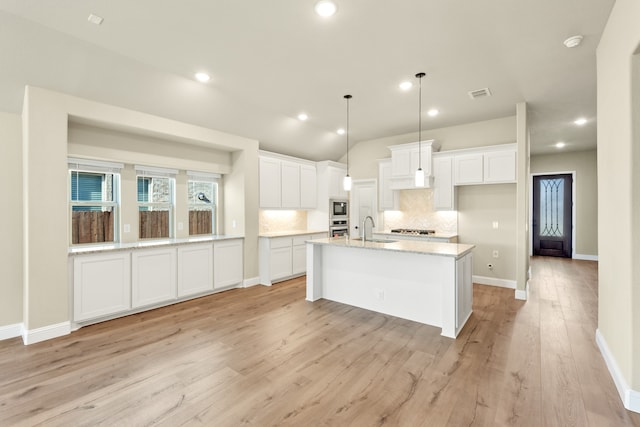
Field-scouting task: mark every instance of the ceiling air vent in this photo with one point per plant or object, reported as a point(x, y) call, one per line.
point(479, 93)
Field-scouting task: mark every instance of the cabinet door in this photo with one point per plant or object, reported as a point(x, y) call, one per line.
point(228, 265)
point(443, 190)
point(336, 187)
point(153, 276)
point(270, 183)
point(195, 269)
point(467, 169)
point(280, 262)
point(299, 259)
point(464, 288)
point(500, 166)
point(308, 187)
point(388, 197)
point(101, 285)
point(290, 175)
point(402, 163)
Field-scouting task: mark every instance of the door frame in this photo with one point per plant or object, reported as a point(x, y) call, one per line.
point(573, 208)
point(356, 182)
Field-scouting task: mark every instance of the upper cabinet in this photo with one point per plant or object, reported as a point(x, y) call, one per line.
point(287, 182)
point(336, 173)
point(443, 190)
point(405, 161)
point(387, 198)
point(485, 165)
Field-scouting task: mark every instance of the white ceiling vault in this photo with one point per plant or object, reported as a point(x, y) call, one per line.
point(270, 60)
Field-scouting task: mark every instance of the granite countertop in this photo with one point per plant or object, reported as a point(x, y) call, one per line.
point(418, 246)
point(146, 244)
point(289, 233)
point(418, 236)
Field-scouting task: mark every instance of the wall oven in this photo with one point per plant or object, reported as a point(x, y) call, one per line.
point(338, 227)
point(338, 209)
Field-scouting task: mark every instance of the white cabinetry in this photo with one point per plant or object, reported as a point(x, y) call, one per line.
point(485, 165)
point(284, 257)
point(464, 290)
point(308, 187)
point(443, 190)
point(336, 182)
point(405, 161)
point(195, 269)
point(153, 276)
point(270, 183)
point(228, 265)
point(101, 285)
point(500, 166)
point(388, 198)
point(286, 182)
point(467, 169)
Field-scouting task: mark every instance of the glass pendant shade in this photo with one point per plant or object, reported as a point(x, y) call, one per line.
point(420, 178)
point(346, 183)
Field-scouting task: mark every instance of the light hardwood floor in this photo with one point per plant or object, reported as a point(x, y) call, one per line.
point(264, 356)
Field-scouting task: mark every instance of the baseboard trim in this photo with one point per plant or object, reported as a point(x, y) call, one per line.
point(585, 257)
point(10, 331)
point(630, 398)
point(33, 336)
point(252, 281)
point(492, 281)
point(523, 294)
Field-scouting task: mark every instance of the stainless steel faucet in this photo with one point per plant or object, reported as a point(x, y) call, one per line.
point(364, 228)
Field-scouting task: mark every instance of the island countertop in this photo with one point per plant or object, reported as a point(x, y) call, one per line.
point(456, 250)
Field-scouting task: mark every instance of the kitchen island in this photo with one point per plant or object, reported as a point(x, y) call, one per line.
point(427, 282)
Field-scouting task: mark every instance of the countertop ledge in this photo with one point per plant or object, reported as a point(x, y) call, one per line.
point(150, 244)
point(290, 233)
point(418, 236)
point(456, 250)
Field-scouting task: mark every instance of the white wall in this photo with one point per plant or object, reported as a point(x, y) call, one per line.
point(584, 163)
point(11, 219)
point(619, 190)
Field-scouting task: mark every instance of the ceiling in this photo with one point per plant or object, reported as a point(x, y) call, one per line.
point(270, 60)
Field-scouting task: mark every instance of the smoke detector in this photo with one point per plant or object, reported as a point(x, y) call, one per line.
point(479, 93)
point(573, 41)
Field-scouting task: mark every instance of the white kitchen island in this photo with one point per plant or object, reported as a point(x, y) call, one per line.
point(427, 282)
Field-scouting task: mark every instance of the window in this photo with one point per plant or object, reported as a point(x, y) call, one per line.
point(155, 202)
point(202, 193)
point(93, 201)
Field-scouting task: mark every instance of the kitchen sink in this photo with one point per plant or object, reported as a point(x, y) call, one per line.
point(376, 240)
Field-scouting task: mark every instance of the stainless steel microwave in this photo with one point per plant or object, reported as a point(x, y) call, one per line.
point(339, 208)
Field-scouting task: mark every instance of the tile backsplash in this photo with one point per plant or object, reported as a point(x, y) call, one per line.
point(281, 220)
point(416, 211)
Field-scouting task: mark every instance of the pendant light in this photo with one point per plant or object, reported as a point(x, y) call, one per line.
point(420, 172)
point(346, 182)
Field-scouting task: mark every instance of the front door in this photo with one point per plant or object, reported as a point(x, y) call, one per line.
point(552, 215)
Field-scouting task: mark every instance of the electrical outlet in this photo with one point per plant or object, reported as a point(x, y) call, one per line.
point(233, 224)
point(127, 228)
point(496, 254)
point(380, 294)
point(180, 226)
point(495, 224)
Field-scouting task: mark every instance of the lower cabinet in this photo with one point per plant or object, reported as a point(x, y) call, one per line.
point(111, 284)
point(282, 258)
point(195, 269)
point(102, 285)
point(227, 263)
point(464, 289)
point(153, 276)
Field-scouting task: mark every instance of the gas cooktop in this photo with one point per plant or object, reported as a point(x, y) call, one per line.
point(412, 231)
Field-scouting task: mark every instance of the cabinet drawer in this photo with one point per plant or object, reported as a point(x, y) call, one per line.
point(279, 242)
point(299, 240)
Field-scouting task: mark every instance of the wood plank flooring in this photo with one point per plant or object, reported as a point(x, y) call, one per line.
point(264, 356)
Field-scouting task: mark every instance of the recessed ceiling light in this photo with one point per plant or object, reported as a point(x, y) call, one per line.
point(203, 77)
point(95, 19)
point(406, 85)
point(340, 131)
point(580, 121)
point(560, 144)
point(326, 8)
point(302, 116)
point(573, 41)
point(433, 112)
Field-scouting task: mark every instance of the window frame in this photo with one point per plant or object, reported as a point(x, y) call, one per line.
point(95, 167)
point(152, 172)
point(214, 179)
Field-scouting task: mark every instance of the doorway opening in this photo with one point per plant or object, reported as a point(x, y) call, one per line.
point(552, 218)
